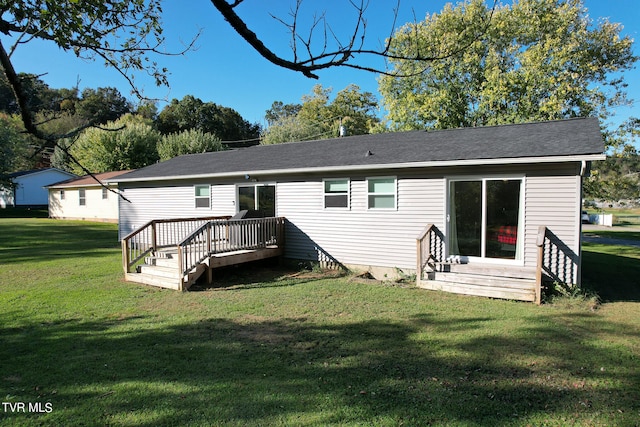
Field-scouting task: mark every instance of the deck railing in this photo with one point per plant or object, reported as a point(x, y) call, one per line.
point(158, 234)
point(429, 249)
point(220, 236)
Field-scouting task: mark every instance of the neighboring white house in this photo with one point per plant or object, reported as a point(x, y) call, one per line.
point(361, 201)
point(84, 198)
point(28, 188)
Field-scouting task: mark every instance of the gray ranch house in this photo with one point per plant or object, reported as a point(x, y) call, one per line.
point(491, 211)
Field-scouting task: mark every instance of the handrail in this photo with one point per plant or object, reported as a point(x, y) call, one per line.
point(219, 236)
point(156, 234)
point(423, 251)
point(542, 232)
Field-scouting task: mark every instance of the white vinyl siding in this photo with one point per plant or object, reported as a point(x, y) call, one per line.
point(553, 201)
point(359, 236)
point(171, 201)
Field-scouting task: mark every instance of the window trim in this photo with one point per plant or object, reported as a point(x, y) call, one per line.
point(256, 200)
point(325, 194)
point(207, 197)
point(82, 197)
point(520, 257)
point(394, 194)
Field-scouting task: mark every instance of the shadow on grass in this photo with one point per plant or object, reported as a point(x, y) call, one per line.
point(257, 371)
point(42, 239)
point(612, 272)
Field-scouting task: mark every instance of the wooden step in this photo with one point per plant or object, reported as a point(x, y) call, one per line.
point(486, 280)
point(158, 271)
point(483, 291)
point(488, 270)
point(153, 280)
point(162, 261)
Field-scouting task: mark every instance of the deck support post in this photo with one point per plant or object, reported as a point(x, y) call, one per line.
point(423, 251)
point(542, 231)
point(154, 238)
point(125, 255)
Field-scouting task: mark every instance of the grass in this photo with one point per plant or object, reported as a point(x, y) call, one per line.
point(276, 348)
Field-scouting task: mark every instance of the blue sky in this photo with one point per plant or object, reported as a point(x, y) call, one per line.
point(224, 69)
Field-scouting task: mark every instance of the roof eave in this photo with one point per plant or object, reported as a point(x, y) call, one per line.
point(355, 168)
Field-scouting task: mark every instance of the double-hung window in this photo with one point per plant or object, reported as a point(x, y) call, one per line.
point(105, 193)
point(82, 197)
point(203, 196)
point(336, 193)
point(382, 193)
point(61, 194)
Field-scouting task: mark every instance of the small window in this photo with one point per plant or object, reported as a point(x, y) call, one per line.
point(61, 194)
point(105, 193)
point(382, 193)
point(202, 193)
point(82, 198)
point(336, 193)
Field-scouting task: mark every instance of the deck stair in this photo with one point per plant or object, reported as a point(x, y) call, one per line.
point(436, 271)
point(197, 248)
point(507, 282)
point(162, 269)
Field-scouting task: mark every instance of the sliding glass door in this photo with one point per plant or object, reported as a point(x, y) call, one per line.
point(258, 197)
point(485, 218)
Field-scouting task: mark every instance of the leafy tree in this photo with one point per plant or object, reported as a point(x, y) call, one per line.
point(102, 105)
point(290, 128)
point(319, 117)
point(123, 34)
point(280, 111)
point(537, 60)
point(12, 147)
point(191, 141)
point(617, 177)
point(38, 95)
point(128, 143)
point(193, 113)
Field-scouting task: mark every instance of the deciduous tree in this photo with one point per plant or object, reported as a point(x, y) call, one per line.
point(537, 60)
point(192, 113)
point(128, 143)
point(320, 117)
point(191, 141)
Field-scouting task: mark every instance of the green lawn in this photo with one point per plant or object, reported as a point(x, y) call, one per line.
point(276, 348)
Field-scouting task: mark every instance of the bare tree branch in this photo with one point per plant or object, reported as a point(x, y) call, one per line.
point(345, 54)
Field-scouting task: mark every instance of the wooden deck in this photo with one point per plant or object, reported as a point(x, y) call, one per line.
point(495, 281)
point(173, 254)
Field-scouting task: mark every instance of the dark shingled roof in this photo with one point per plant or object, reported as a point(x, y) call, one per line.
point(574, 137)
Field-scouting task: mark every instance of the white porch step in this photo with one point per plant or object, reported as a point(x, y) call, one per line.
point(158, 271)
point(500, 292)
point(487, 270)
point(494, 281)
point(153, 280)
point(162, 262)
point(487, 280)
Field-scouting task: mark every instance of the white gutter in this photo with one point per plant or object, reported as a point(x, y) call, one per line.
point(355, 168)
